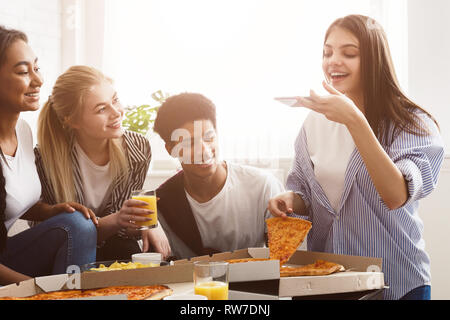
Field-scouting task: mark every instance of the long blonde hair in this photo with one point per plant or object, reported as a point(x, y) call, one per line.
point(56, 138)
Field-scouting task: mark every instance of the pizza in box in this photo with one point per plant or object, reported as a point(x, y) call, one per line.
point(319, 268)
point(285, 235)
point(153, 292)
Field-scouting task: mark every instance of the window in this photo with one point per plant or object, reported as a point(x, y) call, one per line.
point(240, 54)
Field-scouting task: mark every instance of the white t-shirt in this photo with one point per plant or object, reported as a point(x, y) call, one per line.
point(96, 179)
point(330, 147)
point(23, 187)
point(235, 217)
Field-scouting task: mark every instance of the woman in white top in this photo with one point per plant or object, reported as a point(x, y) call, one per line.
point(84, 155)
point(364, 158)
point(66, 236)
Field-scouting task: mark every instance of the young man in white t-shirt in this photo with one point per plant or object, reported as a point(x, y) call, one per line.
point(211, 205)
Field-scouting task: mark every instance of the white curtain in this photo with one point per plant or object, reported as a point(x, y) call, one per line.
point(239, 53)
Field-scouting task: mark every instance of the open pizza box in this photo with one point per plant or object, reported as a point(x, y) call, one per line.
point(249, 271)
point(361, 274)
point(263, 277)
point(92, 280)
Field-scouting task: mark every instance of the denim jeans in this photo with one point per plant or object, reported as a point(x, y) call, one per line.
point(51, 246)
point(419, 293)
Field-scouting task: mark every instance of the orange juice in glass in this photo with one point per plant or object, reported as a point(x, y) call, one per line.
point(213, 290)
point(148, 196)
point(211, 280)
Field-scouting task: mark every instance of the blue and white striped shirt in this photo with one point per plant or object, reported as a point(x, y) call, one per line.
point(363, 225)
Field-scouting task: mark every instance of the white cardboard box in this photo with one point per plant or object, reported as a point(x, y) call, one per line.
point(260, 277)
point(90, 280)
point(263, 277)
point(249, 271)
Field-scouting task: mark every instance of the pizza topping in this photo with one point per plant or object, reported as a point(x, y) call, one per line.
point(132, 292)
point(231, 261)
point(124, 266)
point(285, 236)
point(319, 268)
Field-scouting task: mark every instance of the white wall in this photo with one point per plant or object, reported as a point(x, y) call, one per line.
point(429, 63)
point(429, 85)
point(435, 213)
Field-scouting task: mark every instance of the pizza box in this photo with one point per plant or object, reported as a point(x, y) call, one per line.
point(39, 285)
point(248, 271)
point(362, 274)
point(263, 277)
point(136, 277)
point(91, 280)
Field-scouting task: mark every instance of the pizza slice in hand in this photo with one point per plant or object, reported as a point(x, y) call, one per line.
point(285, 235)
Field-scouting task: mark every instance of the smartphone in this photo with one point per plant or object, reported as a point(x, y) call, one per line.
point(290, 101)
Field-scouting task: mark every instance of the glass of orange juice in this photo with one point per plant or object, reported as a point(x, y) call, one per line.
point(148, 196)
point(211, 279)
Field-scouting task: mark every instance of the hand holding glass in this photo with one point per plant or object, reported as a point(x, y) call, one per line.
point(148, 196)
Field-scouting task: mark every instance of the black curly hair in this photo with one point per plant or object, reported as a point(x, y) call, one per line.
point(7, 38)
point(180, 109)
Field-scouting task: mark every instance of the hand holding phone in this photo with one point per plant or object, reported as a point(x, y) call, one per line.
point(291, 101)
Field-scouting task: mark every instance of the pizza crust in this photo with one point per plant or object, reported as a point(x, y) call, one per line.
point(160, 294)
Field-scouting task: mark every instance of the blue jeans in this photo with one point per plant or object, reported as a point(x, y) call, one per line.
point(51, 246)
point(419, 293)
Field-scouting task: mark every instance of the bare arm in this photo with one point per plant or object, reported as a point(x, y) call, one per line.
point(108, 226)
point(386, 177)
point(42, 211)
point(8, 276)
point(39, 212)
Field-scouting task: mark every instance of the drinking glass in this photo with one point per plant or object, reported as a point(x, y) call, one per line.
point(148, 196)
point(211, 279)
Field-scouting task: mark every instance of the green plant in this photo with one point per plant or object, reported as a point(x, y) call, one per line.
point(141, 118)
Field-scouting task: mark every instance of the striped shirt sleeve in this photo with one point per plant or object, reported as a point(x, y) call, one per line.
point(419, 158)
point(296, 180)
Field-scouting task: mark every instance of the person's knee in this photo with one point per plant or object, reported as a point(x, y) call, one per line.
point(80, 227)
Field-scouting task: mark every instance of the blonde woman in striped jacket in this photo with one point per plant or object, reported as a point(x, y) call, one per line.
point(84, 155)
